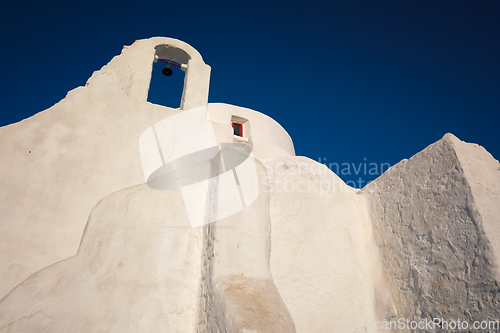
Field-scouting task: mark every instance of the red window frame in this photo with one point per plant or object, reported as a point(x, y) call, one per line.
point(241, 127)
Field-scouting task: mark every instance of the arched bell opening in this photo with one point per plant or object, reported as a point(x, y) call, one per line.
point(168, 79)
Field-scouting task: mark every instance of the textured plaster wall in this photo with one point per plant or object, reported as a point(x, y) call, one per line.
point(238, 292)
point(142, 268)
point(137, 270)
point(56, 165)
point(322, 249)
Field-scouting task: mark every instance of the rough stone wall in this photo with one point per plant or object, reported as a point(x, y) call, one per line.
point(436, 255)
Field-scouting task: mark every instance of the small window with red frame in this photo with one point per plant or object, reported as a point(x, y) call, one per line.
point(238, 129)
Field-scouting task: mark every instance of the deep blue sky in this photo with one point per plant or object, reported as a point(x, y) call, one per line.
point(351, 81)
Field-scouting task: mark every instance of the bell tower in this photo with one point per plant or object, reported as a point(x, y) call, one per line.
point(197, 77)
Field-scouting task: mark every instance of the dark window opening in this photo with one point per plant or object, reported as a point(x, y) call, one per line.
point(238, 129)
